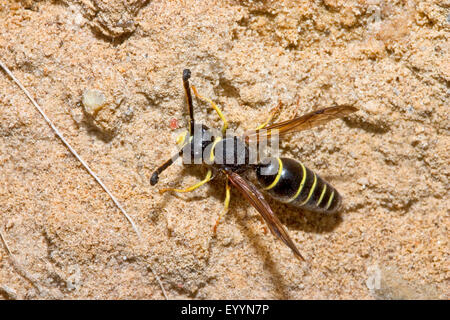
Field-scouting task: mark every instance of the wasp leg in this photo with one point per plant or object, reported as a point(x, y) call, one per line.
point(271, 116)
point(191, 188)
point(215, 107)
point(226, 205)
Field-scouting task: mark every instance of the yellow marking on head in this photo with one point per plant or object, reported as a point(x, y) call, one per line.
point(322, 194)
point(329, 201)
point(277, 178)
point(310, 191)
point(211, 155)
point(181, 138)
point(301, 184)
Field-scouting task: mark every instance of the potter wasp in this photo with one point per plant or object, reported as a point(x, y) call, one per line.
point(284, 179)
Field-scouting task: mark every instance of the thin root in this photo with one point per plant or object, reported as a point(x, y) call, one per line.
point(160, 283)
point(17, 266)
point(50, 123)
point(19, 269)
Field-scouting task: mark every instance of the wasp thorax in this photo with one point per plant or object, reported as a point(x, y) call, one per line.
point(231, 153)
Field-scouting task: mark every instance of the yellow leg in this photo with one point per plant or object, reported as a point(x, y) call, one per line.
point(192, 188)
point(181, 138)
point(215, 107)
point(226, 205)
point(271, 116)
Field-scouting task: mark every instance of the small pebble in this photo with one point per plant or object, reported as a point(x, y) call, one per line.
point(363, 181)
point(93, 101)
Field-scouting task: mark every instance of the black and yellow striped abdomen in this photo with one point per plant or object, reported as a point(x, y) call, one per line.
point(290, 181)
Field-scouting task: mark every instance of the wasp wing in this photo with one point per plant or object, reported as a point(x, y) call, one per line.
point(255, 197)
point(304, 122)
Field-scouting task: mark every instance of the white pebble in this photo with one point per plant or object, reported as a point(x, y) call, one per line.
point(93, 101)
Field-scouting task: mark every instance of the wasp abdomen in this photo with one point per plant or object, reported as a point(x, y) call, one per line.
point(290, 181)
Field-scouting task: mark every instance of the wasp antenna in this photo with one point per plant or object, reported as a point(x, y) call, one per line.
point(155, 176)
point(187, 91)
point(186, 74)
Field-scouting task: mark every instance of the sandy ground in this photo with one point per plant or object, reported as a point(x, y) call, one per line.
point(390, 160)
